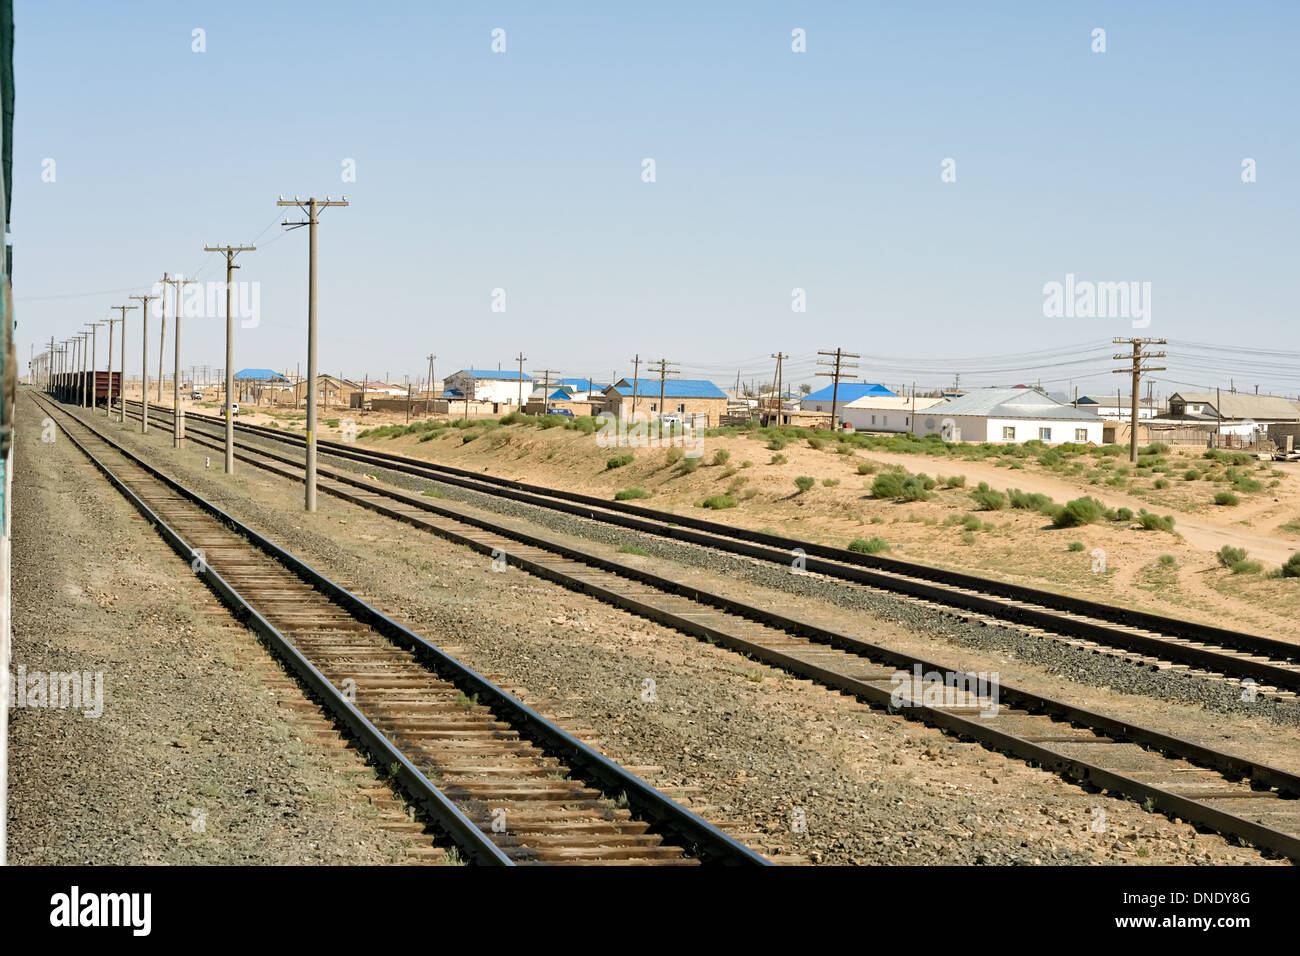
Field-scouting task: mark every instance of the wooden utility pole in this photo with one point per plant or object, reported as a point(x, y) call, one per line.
point(310, 207)
point(94, 361)
point(228, 412)
point(520, 399)
point(162, 335)
point(178, 421)
point(429, 394)
point(1138, 357)
point(546, 374)
point(779, 356)
point(121, 381)
point(838, 373)
point(664, 368)
point(144, 361)
point(636, 370)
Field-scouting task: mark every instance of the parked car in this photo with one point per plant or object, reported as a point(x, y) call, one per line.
point(560, 411)
point(196, 395)
point(234, 410)
point(671, 418)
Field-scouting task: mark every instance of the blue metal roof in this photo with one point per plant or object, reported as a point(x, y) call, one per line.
point(260, 375)
point(850, 392)
point(673, 388)
point(582, 384)
point(494, 373)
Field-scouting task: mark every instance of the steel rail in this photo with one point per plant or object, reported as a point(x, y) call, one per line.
point(702, 839)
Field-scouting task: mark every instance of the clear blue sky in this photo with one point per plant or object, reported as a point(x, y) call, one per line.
point(775, 170)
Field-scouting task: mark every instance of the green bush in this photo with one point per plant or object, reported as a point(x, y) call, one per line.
point(987, 498)
point(955, 481)
point(618, 461)
point(916, 488)
point(804, 482)
point(1124, 514)
point(1248, 485)
point(1247, 567)
point(830, 482)
point(628, 494)
point(776, 444)
point(866, 467)
point(1080, 511)
point(888, 484)
point(1026, 501)
point(689, 466)
point(868, 546)
point(674, 454)
point(970, 523)
point(1154, 522)
point(719, 502)
point(1167, 560)
point(1155, 448)
point(721, 456)
point(1160, 484)
point(1228, 555)
point(778, 460)
point(1292, 567)
point(1191, 474)
point(1076, 546)
point(1226, 498)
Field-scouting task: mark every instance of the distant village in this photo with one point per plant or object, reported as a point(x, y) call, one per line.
point(1001, 414)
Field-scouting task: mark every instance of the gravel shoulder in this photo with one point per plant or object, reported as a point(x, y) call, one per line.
point(200, 754)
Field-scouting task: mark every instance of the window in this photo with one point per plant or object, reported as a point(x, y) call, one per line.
point(884, 419)
point(681, 407)
point(1081, 434)
point(1008, 433)
point(873, 419)
point(1044, 434)
point(654, 406)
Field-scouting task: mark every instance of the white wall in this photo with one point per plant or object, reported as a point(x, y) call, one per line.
point(876, 419)
point(488, 390)
point(976, 428)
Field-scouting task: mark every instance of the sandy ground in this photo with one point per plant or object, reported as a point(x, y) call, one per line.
point(747, 745)
point(204, 752)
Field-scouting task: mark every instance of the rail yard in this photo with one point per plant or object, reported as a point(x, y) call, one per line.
point(448, 450)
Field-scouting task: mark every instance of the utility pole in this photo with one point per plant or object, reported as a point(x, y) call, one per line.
point(110, 322)
point(144, 362)
point(178, 421)
point(664, 368)
point(94, 361)
point(228, 412)
point(779, 356)
point(636, 369)
point(837, 374)
point(429, 394)
point(311, 207)
point(521, 359)
point(1138, 358)
point(81, 364)
point(546, 374)
point(121, 381)
point(162, 335)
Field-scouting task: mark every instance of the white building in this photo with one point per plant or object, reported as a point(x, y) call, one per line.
point(1011, 416)
point(485, 385)
point(873, 413)
point(1118, 406)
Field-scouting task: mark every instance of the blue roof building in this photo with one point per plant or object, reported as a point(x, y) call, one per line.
point(849, 392)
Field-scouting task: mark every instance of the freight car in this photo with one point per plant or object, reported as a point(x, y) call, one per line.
point(70, 387)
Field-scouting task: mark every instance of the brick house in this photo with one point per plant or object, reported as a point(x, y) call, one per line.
point(688, 397)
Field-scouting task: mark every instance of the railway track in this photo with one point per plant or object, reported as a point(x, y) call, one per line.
point(500, 780)
point(1272, 665)
point(1217, 790)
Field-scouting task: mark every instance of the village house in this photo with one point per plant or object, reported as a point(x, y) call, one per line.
point(484, 385)
point(875, 413)
point(696, 400)
point(821, 400)
point(1009, 415)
